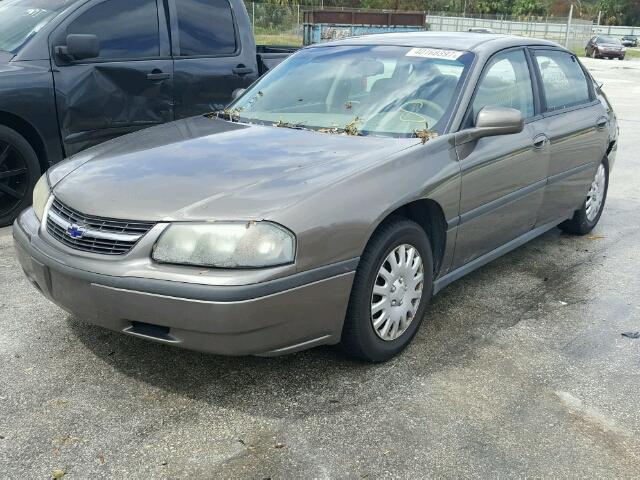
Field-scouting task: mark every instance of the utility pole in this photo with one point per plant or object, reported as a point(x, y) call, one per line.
point(566, 38)
point(599, 17)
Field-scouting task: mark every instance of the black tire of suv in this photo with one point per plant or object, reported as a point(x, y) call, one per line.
point(358, 336)
point(579, 224)
point(20, 155)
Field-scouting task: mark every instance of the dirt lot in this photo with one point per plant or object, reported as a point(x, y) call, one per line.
point(520, 370)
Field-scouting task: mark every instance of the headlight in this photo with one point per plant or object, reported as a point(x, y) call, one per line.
point(41, 194)
point(226, 245)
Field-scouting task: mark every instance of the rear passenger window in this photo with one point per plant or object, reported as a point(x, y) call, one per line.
point(506, 83)
point(563, 80)
point(126, 29)
point(205, 27)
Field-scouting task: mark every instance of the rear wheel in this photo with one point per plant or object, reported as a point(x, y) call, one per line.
point(19, 172)
point(390, 293)
point(587, 217)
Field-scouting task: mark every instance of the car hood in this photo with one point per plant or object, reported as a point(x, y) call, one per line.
point(202, 168)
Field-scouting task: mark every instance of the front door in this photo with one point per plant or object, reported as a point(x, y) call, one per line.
point(577, 125)
point(503, 177)
point(209, 59)
point(126, 88)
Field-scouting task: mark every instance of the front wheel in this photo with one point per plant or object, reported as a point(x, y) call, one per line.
point(19, 172)
point(391, 290)
point(585, 219)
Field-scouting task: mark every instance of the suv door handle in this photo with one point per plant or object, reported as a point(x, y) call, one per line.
point(242, 70)
point(158, 75)
point(602, 123)
point(540, 141)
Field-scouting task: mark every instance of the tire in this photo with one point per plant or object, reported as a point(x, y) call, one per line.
point(584, 220)
point(359, 336)
point(19, 172)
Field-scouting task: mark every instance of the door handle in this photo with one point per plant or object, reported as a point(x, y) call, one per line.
point(602, 123)
point(158, 75)
point(540, 141)
point(241, 70)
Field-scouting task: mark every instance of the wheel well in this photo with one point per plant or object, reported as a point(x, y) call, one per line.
point(429, 215)
point(30, 134)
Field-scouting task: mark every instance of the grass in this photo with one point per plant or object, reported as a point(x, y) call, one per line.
point(632, 53)
point(279, 39)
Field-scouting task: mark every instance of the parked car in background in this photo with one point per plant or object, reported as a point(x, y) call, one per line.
point(328, 202)
point(630, 41)
point(605, 46)
point(480, 30)
point(74, 73)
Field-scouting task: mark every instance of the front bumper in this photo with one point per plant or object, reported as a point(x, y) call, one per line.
point(611, 54)
point(269, 318)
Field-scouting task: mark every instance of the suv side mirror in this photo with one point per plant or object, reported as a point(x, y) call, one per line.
point(79, 47)
point(493, 121)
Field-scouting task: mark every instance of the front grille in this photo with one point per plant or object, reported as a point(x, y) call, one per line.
point(93, 234)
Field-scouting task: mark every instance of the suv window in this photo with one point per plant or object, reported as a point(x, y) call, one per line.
point(205, 27)
point(127, 29)
point(563, 80)
point(506, 83)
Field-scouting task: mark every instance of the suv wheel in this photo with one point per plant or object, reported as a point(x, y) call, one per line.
point(19, 172)
point(587, 217)
point(391, 290)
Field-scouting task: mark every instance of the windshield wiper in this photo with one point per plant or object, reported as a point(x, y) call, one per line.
point(295, 126)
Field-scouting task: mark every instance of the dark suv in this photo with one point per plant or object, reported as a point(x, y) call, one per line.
point(74, 73)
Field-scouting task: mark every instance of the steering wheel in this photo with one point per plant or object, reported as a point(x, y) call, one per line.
point(421, 102)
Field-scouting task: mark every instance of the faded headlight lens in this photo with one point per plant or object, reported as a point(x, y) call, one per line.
point(41, 194)
point(226, 245)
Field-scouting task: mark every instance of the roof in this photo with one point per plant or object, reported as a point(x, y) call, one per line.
point(468, 41)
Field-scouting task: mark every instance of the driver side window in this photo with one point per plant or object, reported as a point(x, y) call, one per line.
point(506, 83)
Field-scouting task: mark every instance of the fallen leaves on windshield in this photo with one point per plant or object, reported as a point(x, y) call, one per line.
point(231, 114)
point(350, 128)
point(425, 135)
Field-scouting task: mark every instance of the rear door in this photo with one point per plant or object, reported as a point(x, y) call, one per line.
point(128, 87)
point(503, 177)
point(577, 125)
point(209, 60)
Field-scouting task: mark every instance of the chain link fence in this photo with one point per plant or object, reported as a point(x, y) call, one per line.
point(284, 25)
point(276, 24)
point(574, 35)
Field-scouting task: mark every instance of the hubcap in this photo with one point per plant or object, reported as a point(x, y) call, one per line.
point(14, 179)
point(595, 197)
point(397, 292)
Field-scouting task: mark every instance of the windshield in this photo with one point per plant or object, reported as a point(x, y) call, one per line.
point(612, 40)
point(22, 19)
point(363, 90)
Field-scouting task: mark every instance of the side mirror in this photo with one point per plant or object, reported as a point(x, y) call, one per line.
point(79, 47)
point(493, 121)
point(237, 92)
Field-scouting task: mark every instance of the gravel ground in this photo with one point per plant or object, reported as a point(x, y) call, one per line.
point(519, 370)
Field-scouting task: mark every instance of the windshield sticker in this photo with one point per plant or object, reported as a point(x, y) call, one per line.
point(434, 53)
